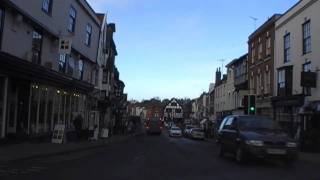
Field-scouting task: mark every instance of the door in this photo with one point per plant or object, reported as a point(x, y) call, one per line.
point(229, 134)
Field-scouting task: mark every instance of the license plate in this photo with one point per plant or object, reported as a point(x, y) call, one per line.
point(276, 151)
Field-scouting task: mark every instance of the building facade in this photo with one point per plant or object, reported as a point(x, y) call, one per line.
point(173, 112)
point(260, 65)
point(55, 74)
point(297, 93)
point(239, 68)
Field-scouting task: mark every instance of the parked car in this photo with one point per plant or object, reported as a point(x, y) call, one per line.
point(254, 136)
point(187, 130)
point(197, 133)
point(154, 126)
point(175, 132)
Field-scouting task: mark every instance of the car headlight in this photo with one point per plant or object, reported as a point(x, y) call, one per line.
point(291, 144)
point(255, 143)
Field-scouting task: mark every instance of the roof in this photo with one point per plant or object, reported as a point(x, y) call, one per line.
point(242, 58)
point(270, 21)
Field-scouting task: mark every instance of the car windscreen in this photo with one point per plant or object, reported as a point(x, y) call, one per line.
point(248, 123)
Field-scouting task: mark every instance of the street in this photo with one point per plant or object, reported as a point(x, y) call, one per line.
point(154, 157)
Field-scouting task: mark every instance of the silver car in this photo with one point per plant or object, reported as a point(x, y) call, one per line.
point(197, 133)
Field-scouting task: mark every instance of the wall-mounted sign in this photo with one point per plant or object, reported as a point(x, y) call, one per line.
point(58, 135)
point(65, 45)
point(309, 79)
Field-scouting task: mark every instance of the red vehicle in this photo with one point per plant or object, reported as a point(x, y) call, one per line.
point(154, 126)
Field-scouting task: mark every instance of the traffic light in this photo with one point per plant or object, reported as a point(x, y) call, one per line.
point(252, 105)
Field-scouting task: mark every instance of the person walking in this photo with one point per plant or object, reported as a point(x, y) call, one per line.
point(78, 125)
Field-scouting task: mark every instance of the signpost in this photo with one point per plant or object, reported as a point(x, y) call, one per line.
point(58, 135)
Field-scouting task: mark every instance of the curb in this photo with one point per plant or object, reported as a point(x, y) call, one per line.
point(75, 150)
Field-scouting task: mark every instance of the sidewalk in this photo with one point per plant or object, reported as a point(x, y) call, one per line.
point(29, 150)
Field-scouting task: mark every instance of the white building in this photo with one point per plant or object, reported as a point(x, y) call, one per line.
point(297, 52)
point(173, 111)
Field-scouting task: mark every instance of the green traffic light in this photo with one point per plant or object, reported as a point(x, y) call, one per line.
point(251, 108)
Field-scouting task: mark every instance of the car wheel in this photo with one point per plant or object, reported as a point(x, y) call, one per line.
point(240, 156)
point(221, 150)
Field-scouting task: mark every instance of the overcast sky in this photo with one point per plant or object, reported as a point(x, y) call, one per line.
point(171, 48)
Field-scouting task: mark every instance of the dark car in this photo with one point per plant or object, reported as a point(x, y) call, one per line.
point(254, 136)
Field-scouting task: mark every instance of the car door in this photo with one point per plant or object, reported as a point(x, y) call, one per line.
point(233, 134)
point(230, 134)
point(223, 132)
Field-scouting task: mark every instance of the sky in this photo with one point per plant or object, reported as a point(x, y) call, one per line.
point(172, 48)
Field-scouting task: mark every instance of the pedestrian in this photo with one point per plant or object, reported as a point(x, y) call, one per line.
point(78, 125)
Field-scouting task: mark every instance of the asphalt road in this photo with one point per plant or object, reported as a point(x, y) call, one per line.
point(153, 158)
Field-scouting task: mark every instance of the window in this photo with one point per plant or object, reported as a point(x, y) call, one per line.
point(306, 37)
point(36, 47)
point(307, 68)
point(252, 85)
point(70, 66)
point(81, 68)
point(281, 78)
point(259, 84)
point(253, 54)
point(47, 6)
point(286, 40)
point(96, 77)
point(105, 76)
point(267, 82)
point(62, 62)
point(260, 51)
point(178, 110)
point(228, 123)
point(1, 24)
point(173, 104)
point(72, 19)
point(268, 46)
point(88, 34)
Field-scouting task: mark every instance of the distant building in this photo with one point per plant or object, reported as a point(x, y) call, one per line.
point(260, 65)
point(173, 111)
point(239, 67)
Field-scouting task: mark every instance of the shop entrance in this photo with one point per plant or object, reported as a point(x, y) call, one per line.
point(17, 111)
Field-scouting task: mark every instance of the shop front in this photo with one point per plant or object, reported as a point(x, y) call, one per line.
point(34, 99)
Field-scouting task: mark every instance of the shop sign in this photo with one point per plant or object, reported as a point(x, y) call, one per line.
point(309, 79)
